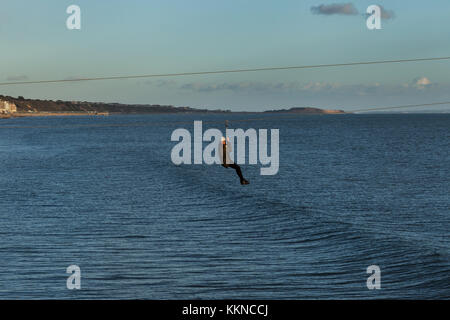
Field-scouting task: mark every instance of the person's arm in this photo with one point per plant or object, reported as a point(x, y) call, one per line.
point(224, 153)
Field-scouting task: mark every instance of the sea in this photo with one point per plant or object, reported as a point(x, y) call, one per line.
point(102, 193)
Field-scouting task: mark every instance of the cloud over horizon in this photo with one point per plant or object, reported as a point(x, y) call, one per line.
point(422, 83)
point(322, 94)
point(21, 77)
point(293, 87)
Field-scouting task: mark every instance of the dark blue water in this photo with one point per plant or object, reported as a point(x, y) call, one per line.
point(102, 193)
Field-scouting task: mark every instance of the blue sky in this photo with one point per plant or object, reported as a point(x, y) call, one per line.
point(142, 37)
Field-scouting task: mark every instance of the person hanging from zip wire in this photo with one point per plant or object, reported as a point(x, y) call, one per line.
point(224, 151)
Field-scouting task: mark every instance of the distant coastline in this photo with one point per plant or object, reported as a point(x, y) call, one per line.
point(22, 107)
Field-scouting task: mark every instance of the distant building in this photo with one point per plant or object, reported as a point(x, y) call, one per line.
point(7, 107)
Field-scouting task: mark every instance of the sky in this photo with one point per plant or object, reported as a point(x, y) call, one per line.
point(147, 37)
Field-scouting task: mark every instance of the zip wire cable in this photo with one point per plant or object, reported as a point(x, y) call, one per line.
point(223, 71)
point(405, 106)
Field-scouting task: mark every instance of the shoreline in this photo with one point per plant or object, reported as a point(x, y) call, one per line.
point(54, 114)
point(105, 114)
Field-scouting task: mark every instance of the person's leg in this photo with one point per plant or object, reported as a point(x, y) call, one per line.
point(238, 170)
point(239, 173)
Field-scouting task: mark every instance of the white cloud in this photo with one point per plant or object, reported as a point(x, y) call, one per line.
point(421, 83)
point(316, 87)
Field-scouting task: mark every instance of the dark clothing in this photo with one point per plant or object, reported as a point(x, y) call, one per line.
point(224, 153)
point(237, 168)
